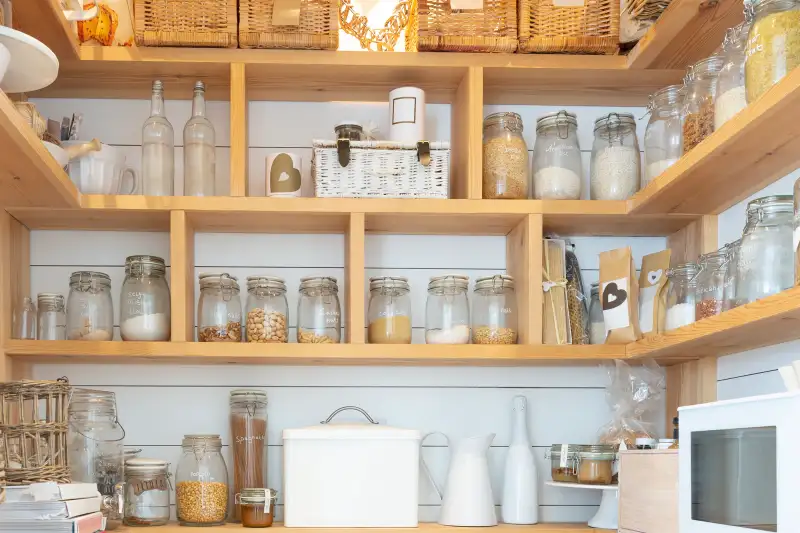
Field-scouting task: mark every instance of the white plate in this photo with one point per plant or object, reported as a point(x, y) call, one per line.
point(33, 66)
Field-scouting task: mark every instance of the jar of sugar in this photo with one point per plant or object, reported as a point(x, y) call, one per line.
point(90, 312)
point(144, 302)
point(681, 296)
point(557, 171)
point(615, 166)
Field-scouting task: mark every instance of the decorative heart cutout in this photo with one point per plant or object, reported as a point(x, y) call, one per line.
point(654, 276)
point(613, 296)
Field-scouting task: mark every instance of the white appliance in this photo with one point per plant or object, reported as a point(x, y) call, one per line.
point(739, 465)
point(351, 475)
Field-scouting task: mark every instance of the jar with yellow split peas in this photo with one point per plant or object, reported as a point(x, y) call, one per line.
point(201, 482)
point(494, 311)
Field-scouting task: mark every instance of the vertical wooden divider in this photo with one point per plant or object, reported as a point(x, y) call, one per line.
point(524, 262)
point(239, 142)
point(466, 131)
point(15, 284)
point(354, 279)
point(181, 253)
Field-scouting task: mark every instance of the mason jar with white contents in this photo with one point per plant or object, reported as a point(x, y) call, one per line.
point(615, 167)
point(267, 319)
point(144, 302)
point(494, 311)
point(318, 311)
point(447, 310)
point(219, 309)
point(664, 135)
point(557, 158)
point(90, 311)
point(389, 311)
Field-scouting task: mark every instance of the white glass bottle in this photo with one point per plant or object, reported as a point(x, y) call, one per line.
point(520, 503)
point(158, 148)
point(199, 156)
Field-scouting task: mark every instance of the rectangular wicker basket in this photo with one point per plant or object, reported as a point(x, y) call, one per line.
point(569, 26)
point(380, 169)
point(199, 23)
point(317, 28)
point(436, 27)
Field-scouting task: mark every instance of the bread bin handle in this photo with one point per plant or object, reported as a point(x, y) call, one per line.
point(349, 408)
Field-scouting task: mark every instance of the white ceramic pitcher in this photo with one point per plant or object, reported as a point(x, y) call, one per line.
point(467, 498)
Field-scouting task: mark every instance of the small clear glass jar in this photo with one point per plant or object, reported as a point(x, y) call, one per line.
point(352, 131)
point(447, 310)
point(698, 105)
point(732, 271)
point(25, 320)
point(731, 96)
point(258, 506)
point(389, 311)
point(494, 310)
point(564, 462)
point(663, 138)
point(147, 488)
point(267, 319)
point(219, 309)
point(557, 167)
point(144, 302)
point(318, 311)
point(505, 157)
point(201, 482)
point(90, 310)
point(709, 284)
point(615, 167)
point(766, 263)
point(596, 464)
point(597, 325)
point(681, 296)
point(51, 317)
point(249, 441)
point(773, 45)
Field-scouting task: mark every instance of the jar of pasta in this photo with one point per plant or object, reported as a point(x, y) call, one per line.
point(505, 157)
point(698, 104)
point(773, 45)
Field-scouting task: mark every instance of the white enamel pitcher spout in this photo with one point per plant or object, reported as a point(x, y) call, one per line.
point(467, 497)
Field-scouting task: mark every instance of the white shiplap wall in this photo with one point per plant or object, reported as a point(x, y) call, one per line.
point(159, 404)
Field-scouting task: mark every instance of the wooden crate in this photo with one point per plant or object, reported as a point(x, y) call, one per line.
point(437, 27)
point(648, 491)
point(316, 27)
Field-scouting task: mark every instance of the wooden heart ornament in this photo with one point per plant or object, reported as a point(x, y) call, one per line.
point(613, 296)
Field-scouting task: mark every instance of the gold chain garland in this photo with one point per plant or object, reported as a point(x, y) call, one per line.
point(381, 40)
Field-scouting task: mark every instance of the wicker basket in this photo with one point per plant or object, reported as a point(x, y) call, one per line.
point(591, 27)
point(317, 27)
point(32, 117)
point(186, 23)
point(436, 27)
point(380, 169)
point(33, 422)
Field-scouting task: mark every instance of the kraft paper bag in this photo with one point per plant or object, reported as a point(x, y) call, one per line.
point(619, 296)
point(653, 292)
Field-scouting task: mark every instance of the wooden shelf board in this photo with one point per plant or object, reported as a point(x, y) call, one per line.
point(423, 528)
point(756, 147)
point(310, 354)
point(43, 20)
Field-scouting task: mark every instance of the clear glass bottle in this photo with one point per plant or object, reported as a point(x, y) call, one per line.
point(494, 310)
point(219, 309)
point(199, 149)
point(318, 311)
point(447, 310)
point(96, 447)
point(51, 317)
point(557, 168)
point(90, 310)
point(615, 166)
point(766, 264)
point(144, 313)
point(773, 45)
point(158, 148)
point(597, 326)
point(147, 488)
point(267, 317)
point(698, 105)
point(663, 137)
point(505, 157)
point(731, 96)
point(681, 296)
point(25, 320)
point(249, 441)
point(709, 284)
point(201, 482)
point(389, 311)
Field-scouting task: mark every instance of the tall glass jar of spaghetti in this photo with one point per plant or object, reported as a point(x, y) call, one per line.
point(249, 441)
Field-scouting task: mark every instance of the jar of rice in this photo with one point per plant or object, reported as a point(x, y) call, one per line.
point(505, 157)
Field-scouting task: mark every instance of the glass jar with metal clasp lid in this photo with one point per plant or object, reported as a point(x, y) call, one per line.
point(596, 464)
point(494, 310)
point(90, 311)
point(147, 489)
point(447, 310)
point(557, 167)
point(144, 313)
point(564, 462)
point(267, 319)
point(698, 104)
point(615, 167)
point(709, 285)
point(389, 311)
point(681, 296)
point(51, 317)
point(258, 506)
point(505, 157)
point(663, 136)
point(731, 96)
point(318, 311)
point(201, 482)
point(773, 45)
point(219, 309)
point(732, 269)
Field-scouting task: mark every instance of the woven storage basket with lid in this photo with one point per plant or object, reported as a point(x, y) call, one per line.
point(570, 26)
point(439, 26)
point(311, 24)
point(186, 23)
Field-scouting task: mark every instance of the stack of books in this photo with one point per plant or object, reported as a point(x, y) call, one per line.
point(52, 507)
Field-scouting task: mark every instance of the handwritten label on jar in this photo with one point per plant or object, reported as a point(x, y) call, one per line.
point(564, 452)
point(560, 149)
point(144, 485)
point(251, 438)
point(202, 476)
point(134, 300)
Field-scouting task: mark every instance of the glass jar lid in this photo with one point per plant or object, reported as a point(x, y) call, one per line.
point(248, 396)
point(202, 441)
point(99, 402)
point(459, 281)
point(389, 283)
point(348, 125)
point(145, 467)
point(603, 452)
point(684, 270)
point(144, 263)
point(85, 279)
point(562, 119)
point(614, 121)
point(773, 204)
point(50, 299)
point(314, 282)
point(669, 95)
point(257, 496)
point(557, 449)
point(498, 281)
point(266, 282)
point(511, 121)
point(709, 66)
point(759, 5)
point(222, 280)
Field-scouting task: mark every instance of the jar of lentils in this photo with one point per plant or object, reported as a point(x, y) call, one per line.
point(557, 167)
point(389, 311)
point(90, 311)
point(51, 317)
point(201, 482)
point(219, 310)
point(447, 310)
point(615, 172)
point(267, 317)
point(318, 311)
point(144, 302)
point(494, 311)
point(147, 489)
point(505, 157)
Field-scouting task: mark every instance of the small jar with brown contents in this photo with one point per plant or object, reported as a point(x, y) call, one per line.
point(596, 464)
point(258, 506)
point(564, 462)
point(505, 157)
point(494, 311)
point(709, 285)
point(267, 319)
point(698, 104)
point(219, 310)
point(318, 311)
point(389, 313)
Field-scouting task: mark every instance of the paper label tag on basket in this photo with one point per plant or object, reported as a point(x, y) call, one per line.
point(569, 3)
point(564, 450)
point(466, 4)
point(286, 13)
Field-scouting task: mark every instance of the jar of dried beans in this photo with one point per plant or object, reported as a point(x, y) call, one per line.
point(494, 311)
point(389, 311)
point(201, 482)
point(731, 97)
point(219, 309)
point(557, 167)
point(267, 317)
point(318, 311)
point(505, 157)
point(615, 172)
point(709, 285)
point(680, 296)
point(773, 45)
point(90, 311)
point(663, 136)
point(447, 310)
point(564, 462)
point(698, 105)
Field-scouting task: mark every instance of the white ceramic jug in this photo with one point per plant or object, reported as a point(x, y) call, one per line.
point(102, 171)
point(467, 498)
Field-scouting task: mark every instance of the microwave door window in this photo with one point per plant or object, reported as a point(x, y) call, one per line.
point(734, 478)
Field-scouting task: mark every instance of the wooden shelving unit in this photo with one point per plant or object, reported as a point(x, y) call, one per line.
point(423, 528)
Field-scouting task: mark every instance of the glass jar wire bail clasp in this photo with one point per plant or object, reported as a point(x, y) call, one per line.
point(226, 286)
point(562, 121)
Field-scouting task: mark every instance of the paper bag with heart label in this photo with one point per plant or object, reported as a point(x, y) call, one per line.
point(619, 296)
point(653, 292)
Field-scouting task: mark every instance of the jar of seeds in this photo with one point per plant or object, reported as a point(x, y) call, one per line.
point(773, 45)
point(201, 482)
point(494, 311)
point(219, 310)
point(318, 311)
point(698, 105)
point(267, 317)
point(505, 157)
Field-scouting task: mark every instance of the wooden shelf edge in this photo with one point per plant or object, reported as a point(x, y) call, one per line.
point(423, 528)
point(44, 21)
